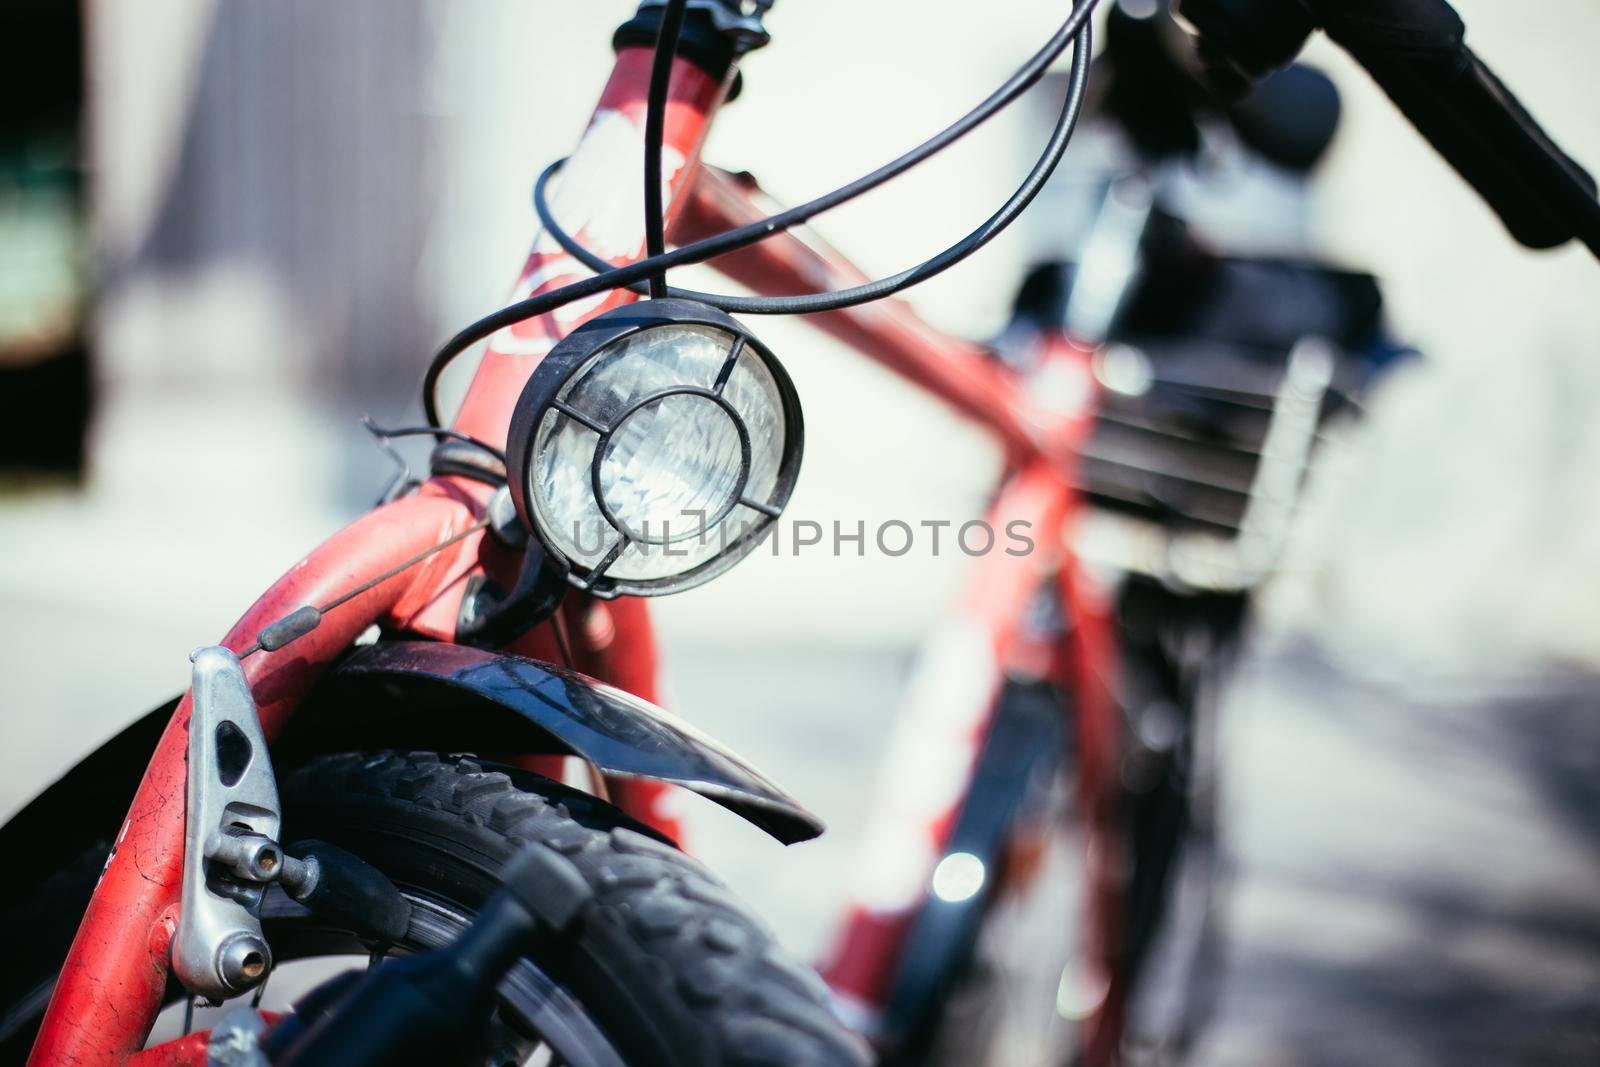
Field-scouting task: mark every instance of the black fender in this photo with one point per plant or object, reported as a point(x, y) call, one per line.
point(449, 698)
point(437, 697)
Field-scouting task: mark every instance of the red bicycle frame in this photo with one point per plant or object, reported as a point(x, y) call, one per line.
point(111, 986)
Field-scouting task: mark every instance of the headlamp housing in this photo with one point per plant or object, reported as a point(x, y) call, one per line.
point(653, 447)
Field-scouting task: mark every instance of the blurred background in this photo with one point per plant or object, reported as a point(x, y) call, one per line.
point(228, 229)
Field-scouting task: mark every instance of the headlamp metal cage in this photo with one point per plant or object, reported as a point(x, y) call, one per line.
point(544, 393)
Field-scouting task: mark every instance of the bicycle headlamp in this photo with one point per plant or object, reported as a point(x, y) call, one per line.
point(653, 447)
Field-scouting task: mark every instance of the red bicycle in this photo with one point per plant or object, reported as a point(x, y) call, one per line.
point(499, 607)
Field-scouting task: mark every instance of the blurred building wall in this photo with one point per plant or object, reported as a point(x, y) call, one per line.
point(263, 175)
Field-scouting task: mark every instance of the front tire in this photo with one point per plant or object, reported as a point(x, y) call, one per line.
point(661, 966)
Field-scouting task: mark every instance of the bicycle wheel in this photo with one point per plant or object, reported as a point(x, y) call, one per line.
point(663, 966)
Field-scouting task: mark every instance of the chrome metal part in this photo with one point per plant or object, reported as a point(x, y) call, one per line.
point(248, 857)
point(299, 877)
point(232, 823)
point(1285, 456)
point(504, 522)
point(1110, 262)
point(236, 1040)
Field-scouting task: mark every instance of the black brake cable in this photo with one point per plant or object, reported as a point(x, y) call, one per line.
point(385, 432)
point(619, 277)
point(833, 300)
point(655, 120)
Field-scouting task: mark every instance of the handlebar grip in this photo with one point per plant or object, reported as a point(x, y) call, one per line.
point(1416, 51)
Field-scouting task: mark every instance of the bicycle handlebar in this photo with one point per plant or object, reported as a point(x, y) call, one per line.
point(1417, 53)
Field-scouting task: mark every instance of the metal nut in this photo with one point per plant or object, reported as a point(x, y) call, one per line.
point(243, 961)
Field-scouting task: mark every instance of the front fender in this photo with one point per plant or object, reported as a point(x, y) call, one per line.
point(438, 697)
point(445, 697)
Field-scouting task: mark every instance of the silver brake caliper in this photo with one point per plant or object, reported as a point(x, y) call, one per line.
point(231, 833)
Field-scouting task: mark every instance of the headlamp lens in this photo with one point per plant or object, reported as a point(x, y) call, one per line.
point(674, 464)
point(660, 451)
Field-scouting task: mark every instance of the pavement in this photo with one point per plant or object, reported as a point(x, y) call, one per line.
point(1414, 880)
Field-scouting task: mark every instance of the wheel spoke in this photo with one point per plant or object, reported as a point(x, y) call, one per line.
point(255, 998)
